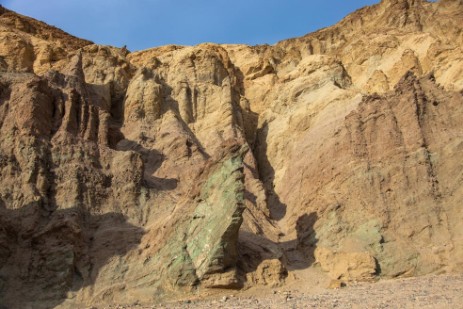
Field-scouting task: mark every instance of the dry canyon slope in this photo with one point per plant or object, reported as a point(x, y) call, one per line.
point(149, 176)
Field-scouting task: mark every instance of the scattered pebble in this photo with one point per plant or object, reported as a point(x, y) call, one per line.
point(430, 292)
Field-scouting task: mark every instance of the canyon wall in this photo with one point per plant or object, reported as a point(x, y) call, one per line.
point(141, 176)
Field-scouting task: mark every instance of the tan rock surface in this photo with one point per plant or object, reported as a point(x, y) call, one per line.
point(142, 176)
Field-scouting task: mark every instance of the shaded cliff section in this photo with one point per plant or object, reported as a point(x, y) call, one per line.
point(56, 232)
point(48, 257)
point(85, 212)
point(106, 186)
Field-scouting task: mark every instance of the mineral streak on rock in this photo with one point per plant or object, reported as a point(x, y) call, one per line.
point(140, 176)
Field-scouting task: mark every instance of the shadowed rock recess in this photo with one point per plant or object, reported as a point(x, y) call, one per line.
point(136, 177)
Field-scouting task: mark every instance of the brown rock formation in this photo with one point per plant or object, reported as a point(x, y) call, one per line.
point(139, 176)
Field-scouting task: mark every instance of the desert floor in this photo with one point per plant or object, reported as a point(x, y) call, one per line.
point(443, 291)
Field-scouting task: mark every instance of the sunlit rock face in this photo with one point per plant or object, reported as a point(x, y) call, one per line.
point(140, 176)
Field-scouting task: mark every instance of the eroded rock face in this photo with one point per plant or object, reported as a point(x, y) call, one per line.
point(136, 176)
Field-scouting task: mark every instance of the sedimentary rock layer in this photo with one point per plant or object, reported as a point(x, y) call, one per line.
point(137, 176)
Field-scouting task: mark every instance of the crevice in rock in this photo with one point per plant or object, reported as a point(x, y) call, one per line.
point(116, 122)
point(421, 106)
point(267, 174)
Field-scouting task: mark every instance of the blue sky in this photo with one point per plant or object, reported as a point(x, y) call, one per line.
point(142, 24)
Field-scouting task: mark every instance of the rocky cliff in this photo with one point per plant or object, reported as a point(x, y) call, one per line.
point(140, 176)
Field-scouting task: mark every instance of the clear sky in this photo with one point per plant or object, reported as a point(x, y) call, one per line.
point(142, 24)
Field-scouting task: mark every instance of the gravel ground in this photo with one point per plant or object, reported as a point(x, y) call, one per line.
point(445, 291)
